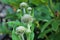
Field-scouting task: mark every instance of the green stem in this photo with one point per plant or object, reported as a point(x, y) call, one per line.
point(28, 37)
point(50, 11)
point(29, 12)
point(24, 11)
point(22, 36)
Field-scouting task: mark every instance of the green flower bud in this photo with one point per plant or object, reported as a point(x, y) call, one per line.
point(18, 10)
point(20, 29)
point(26, 18)
point(29, 8)
point(23, 5)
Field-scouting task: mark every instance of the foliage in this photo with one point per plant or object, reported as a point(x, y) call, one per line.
point(46, 16)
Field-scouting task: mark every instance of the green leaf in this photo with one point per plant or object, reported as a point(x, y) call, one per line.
point(13, 24)
point(43, 13)
point(38, 2)
point(45, 26)
point(55, 25)
point(4, 29)
point(30, 36)
point(15, 36)
point(42, 34)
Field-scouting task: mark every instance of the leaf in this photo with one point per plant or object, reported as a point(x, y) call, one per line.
point(43, 13)
point(38, 2)
point(45, 26)
point(13, 24)
point(55, 25)
point(30, 36)
point(42, 34)
point(4, 28)
point(55, 36)
point(14, 36)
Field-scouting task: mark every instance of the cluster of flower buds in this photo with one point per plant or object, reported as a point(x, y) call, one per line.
point(26, 18)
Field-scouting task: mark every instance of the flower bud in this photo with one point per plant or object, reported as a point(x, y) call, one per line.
point(18, 10)
point(23, 5)
point(26, 18)
point(20, 29)
point(29, 8)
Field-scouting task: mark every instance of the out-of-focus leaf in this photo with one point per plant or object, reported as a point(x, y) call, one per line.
point(4, 28)
point(15, 36)
point(13, 24)
point(38, 2)
point(11, 16)
point(57, 6)
point(55, 36)
point(45, 26)
point(42, 12)
point(42, 34)
point(55, 25)
point(30, 36)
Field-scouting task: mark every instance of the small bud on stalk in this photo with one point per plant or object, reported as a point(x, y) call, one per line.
point(20, 30)
point(29, 10)
point(18, 10)
point(24, 5)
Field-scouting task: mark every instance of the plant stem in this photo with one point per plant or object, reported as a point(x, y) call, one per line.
point(24, 11)
point(28, 26)
point(22, 36)
point(29, 12)
point(28, 37)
